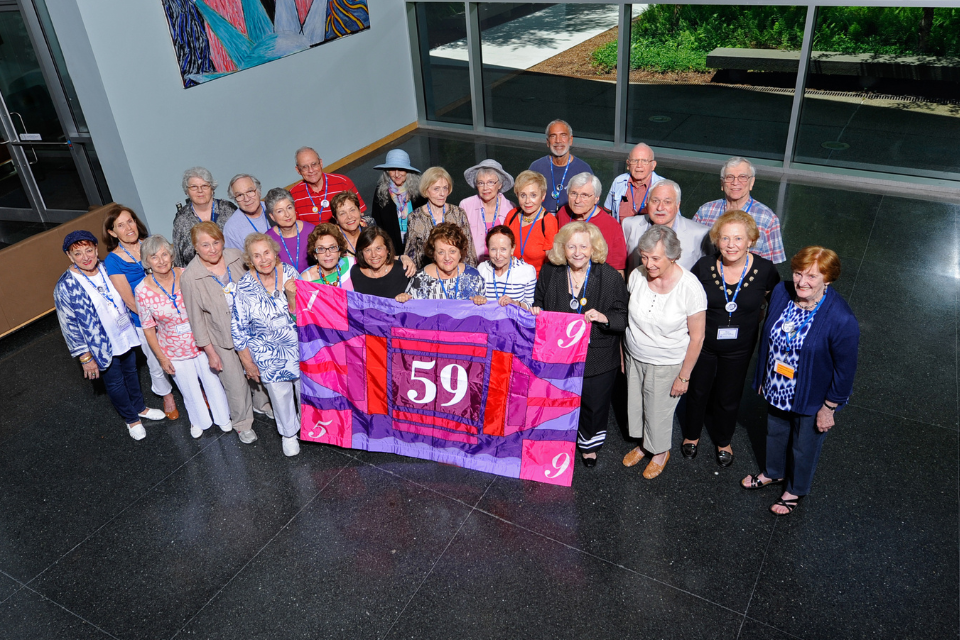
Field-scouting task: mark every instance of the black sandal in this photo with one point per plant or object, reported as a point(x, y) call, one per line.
point(789, 504)
point(756, 484)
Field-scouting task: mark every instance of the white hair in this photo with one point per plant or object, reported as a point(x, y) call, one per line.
point(734, 161)
point(581, 179)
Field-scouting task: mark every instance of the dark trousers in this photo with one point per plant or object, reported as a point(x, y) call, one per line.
point(793, 449)
point(123, 386)
point(716, 385)
point(595, 410)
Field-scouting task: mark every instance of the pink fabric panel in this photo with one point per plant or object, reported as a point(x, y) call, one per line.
point(547, 461)
point(321, 305)
point(326, 425)
point(454, 349)
point(439, 336)
point(303, 7)
point(561, 338)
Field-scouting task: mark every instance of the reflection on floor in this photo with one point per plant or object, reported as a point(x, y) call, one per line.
point(104, 537)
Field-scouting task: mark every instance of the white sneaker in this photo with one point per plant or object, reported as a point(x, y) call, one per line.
point(195, 431)
point(137, 432)
point(267, 411)
point(248, 436)
point(291, 446)
point(153, 414)
point(226, 428)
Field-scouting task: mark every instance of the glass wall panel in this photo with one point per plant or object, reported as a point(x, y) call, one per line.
point(538, 66)
point(710, 78)
point(883, 91)
point(442, 29)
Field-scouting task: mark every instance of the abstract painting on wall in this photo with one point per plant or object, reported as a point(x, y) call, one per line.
point(214, 38)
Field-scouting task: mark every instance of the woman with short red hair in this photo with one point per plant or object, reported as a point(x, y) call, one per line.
point(808, 358)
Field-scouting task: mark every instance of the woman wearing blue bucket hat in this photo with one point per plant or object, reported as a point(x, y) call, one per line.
point(397, 195)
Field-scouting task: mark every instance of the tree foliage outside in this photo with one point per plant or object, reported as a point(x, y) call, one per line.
point(672, 37)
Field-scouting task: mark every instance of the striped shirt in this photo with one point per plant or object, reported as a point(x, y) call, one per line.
point(519, 282)
point(770, 243)
point(309, 204)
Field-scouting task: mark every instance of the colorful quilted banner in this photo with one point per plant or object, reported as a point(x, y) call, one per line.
point(488, 388)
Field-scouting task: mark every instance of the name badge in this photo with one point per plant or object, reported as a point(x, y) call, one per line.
point(784, 369)
point(123, 321)
point(182, 329)
point(727, 333)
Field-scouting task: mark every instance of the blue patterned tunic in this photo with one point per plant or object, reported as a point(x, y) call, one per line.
point(779, 389)
point(424, 287)
point(262, 324)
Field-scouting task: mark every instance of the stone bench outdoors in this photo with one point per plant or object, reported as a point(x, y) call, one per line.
point(867, 66)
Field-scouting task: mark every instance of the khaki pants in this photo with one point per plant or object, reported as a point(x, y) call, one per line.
point(650, 408)
point(234, 382)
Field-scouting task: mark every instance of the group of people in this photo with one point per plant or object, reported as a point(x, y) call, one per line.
point(676, 305)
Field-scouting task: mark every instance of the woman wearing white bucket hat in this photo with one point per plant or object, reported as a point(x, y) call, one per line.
point(397, 195)
point(489, 207)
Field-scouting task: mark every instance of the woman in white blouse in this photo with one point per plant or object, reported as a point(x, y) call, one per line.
point(507, 279)
point(665, 329)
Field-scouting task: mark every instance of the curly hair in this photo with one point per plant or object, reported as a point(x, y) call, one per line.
point(324, 229)
point(446, 232)
point(734, 217)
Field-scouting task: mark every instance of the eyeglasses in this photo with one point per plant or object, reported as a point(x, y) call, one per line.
point(372, 251)
point(246, 194)
point(641, 162)
point(310, 167)
point(322, 250)
point(576, 195)
point(196, 188)
point(730, 179)
point(488, 183)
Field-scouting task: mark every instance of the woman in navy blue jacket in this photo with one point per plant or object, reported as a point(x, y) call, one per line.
point(808, 358)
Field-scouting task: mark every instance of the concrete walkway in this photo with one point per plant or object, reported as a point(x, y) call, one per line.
point(528, 41)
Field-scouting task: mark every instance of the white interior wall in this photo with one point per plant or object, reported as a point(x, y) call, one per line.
point(337, 97)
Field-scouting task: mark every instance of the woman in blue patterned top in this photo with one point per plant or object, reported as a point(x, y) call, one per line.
point(446, 277)
point(98, 330)
point(264, 334)
point(808, 358)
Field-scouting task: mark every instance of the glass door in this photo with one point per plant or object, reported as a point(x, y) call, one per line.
point(45, 174)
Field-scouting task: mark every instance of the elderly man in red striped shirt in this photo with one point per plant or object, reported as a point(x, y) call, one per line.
point(313, 194)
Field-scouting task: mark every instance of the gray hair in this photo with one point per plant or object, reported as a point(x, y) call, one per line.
point(734, 161)
point(546, 131)
point(487, 171)
point(152, 245)
point(660, 233)
point(198, 172)
point(275, 196)
point(668, 183)
point(301, 150)
point(254, 238)
point(581, 179)
point(240, 176)
point(383, 186)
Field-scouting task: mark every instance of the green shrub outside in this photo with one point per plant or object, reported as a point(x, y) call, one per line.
point(668, 37)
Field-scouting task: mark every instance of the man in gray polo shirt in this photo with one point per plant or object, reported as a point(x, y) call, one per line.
point(663, 207)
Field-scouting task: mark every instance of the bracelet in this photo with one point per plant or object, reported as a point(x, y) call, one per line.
point(89, 358)
point(829, 407)
point(684, 381)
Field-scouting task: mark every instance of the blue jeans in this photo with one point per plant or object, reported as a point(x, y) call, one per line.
point(123, 386)
point(796, 435)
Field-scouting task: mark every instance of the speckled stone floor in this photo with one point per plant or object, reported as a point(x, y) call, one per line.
point(104, 537)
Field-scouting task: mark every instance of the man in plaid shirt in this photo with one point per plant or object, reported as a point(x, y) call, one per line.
point(736, 179)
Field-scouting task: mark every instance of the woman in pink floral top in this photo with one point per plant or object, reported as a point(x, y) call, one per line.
point(166, 328)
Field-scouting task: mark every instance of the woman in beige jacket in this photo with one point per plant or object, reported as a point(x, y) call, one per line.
point(208, 287)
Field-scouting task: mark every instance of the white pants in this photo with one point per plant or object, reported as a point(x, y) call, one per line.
point(285, 398)
point(190, 375)
point(159, 381)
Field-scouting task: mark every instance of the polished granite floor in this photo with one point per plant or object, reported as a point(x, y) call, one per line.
point(104, 537)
